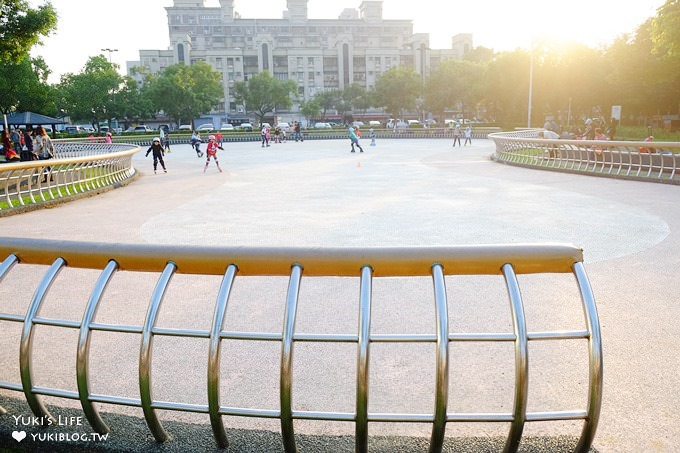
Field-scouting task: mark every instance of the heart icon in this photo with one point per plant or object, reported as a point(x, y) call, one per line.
point(19, 435)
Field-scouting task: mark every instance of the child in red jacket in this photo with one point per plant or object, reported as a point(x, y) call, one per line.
point(211, 151)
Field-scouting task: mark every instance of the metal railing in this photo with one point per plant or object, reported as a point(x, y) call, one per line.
point(648, 161)
point(77, 167)
point(507, 261)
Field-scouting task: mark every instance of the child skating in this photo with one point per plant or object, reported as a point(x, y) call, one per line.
point(158, 154)
point(211, 151)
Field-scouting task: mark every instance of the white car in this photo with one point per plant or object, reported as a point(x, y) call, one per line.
point(206, 127)
point(185, 127)
point(322, 126)
point(227, 127)
point(285, 127)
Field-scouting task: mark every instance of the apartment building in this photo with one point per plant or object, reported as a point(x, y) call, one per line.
point(319, 54)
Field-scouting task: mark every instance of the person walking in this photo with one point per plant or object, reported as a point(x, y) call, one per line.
point(15, 137)
point(468, 136)
point(28, 154)
point(372, 135)
point(158, 154)
point(44, 148)
point(354, 140)
point(211, 151)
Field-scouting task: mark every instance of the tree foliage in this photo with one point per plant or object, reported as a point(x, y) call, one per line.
point(91, 94)
point(23, 86)
point(21, 27)
point(185, 92)
point(397, 89)
point(262, 94)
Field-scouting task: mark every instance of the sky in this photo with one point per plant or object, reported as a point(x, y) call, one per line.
point(85, 28)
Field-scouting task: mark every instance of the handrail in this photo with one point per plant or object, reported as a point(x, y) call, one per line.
point(77, 167)
point(507, 261)
point(646, 161)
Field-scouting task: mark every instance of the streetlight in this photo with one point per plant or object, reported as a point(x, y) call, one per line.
point(110, 51)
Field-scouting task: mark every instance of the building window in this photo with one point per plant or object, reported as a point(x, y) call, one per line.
point(180, 53)
point(265, 57)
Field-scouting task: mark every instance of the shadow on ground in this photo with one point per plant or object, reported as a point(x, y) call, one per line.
point(132, 434)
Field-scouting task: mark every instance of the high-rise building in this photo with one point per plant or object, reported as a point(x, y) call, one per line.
point(318, 54)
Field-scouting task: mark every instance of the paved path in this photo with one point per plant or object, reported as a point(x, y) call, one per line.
point(402, 192)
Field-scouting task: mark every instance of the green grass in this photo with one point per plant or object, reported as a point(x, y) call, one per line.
point(639, 133)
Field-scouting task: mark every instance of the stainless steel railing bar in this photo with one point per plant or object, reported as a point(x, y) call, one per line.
point(286, 367)
point(521, 360)
point(595, 365)
point(214, 356)
point(11, 318)
point(363, 351)
point(441, 390)
point(325, 416)
point(174, 332)
point(11, 386)
point(118, 400)
point(559, 335)
point(244, 412)
point(83, 349)
point(7, 265)
point(180, 407)
point(145, 354)
point(57, 322)
point(255, 336)
point(59, 393)
point(26, 344)
point(556, 416)
point(115, 328)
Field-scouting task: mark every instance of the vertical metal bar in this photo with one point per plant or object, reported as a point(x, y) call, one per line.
point(287, 431)
point(595, 360)
point(521, 360)
point(5, 267)
point(361, 428)
point(26, 344)
point(145, 351)
point(214, 357)
point(442, 381)
point(83, 351)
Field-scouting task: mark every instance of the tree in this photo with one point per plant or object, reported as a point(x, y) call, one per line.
point(665, 34)
point(262, 94)
point(310, 109)
point(21, 28)
point(397, 89)
point(328, 100)
point(90, 95)
point(185, 92)
point(23, 86)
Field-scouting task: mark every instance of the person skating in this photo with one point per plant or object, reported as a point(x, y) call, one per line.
point(211, 151)
point(196, 143)
point(158, 154)
point(354, 140)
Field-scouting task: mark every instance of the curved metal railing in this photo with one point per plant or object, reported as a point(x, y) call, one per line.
point(76, 168)
point(649, 161)
point(508, 261)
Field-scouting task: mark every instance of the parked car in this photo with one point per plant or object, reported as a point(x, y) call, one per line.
point(206, 127)
point(358, 123)
point(375, 123)
point(248, 127)
point(413, 123)
point(285, 127)
point(185, 127)
point(227, 127)
point(70, 129)
point(322, 126)
point(144, 129)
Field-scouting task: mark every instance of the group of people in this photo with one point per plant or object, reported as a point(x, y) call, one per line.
point(457, 133)
point(27, 145)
